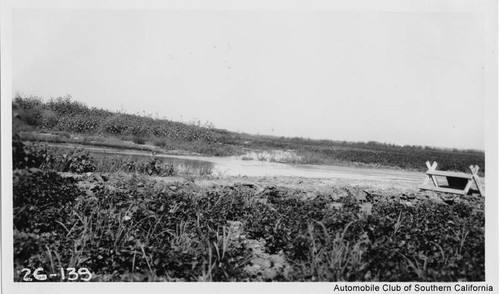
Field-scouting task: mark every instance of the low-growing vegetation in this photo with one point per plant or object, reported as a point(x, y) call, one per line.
point(129, 226)
point(64, 118)
point(78, 160)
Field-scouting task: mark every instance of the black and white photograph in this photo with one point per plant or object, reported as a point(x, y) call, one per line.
point(264, 146)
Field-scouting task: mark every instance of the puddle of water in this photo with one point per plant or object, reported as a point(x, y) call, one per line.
point(183, 166)
point(235, 166)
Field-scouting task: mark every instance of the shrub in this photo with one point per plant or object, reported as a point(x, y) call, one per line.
point(27, 156)
point(73, 160)
point(160, 142)
point(42, 200)
point(115, 125)
point(139, 140)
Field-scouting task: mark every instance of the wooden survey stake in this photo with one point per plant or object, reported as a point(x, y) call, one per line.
point(457, 183)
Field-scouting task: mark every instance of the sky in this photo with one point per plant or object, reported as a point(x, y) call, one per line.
point(395, 77)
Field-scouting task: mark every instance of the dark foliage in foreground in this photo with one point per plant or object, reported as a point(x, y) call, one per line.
point(131, 228)
point(34, 156)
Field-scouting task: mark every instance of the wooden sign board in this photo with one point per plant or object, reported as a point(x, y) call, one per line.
point(457, 183)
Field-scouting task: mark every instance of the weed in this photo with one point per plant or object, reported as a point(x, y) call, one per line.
point(131, 227)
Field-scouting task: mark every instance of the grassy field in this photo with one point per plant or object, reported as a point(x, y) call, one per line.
point(70, 121)
point(122, 220)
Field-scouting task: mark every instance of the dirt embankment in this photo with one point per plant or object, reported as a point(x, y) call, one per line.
point(309, 188)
